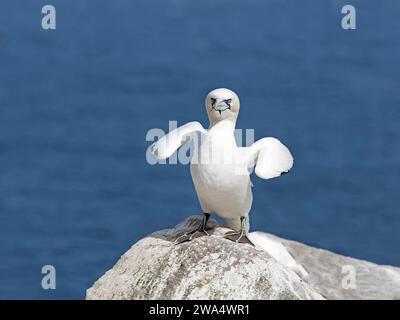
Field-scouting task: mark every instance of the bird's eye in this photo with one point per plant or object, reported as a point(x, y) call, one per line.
point(213, 101)
point(228, 101)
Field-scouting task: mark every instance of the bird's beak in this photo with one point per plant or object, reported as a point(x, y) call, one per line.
point(220, 105)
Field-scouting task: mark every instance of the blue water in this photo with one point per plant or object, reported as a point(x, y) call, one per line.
point(76, 104)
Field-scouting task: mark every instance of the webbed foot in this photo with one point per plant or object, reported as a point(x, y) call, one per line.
point(201, 230)
point(239, 236)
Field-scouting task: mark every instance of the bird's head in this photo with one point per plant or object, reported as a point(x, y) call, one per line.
point(222, 104)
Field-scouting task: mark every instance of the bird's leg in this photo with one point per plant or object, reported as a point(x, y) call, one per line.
point(187, 236)
point(239, 236)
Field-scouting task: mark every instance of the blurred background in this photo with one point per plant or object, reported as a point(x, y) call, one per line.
point(76, 103)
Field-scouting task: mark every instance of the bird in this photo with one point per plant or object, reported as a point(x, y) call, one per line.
point(221, 169)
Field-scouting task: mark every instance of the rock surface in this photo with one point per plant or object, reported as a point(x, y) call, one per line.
point(207, 267)
point(327, 271)
point(216, 268)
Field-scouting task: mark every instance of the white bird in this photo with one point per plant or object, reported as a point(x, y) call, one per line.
point(220, 169)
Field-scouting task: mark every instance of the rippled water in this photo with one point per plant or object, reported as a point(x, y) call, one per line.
point(76, 104)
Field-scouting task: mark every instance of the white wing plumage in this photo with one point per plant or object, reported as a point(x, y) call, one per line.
point(168, 144)
point(270, 157)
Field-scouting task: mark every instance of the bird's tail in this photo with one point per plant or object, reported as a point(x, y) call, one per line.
point(270, 245)
point(278, 251)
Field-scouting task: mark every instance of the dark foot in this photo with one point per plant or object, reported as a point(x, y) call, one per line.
point(189, 236)
point(238, 238)
point(201, 230)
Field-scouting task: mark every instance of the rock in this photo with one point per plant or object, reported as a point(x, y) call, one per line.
point(216, 268)
point(327, 271)
point(207, 267)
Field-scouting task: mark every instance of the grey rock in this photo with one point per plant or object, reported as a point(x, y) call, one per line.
point(208, 267)
point(328, 271)
point(216, 268)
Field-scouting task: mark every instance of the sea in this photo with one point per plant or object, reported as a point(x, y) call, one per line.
point(76, 104)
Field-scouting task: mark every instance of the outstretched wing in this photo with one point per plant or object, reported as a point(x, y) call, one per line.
point(168, 144)
point(270, 158)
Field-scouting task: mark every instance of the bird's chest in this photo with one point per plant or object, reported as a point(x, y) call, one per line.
point(217, 150)
point(217, 164)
